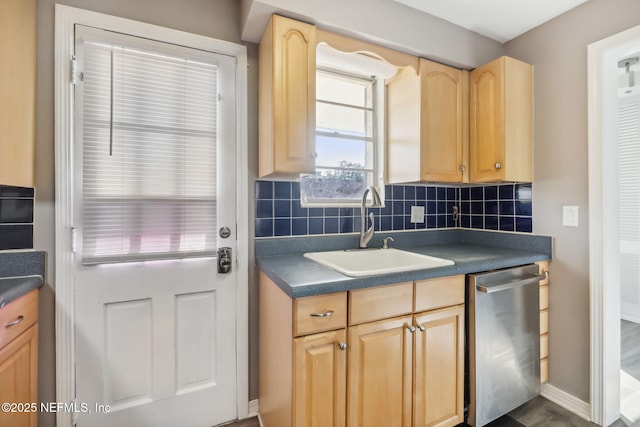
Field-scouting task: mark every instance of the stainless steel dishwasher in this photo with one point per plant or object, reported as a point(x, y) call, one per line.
point(503, 341)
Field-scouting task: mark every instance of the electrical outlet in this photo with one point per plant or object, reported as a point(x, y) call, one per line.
point(417, 214)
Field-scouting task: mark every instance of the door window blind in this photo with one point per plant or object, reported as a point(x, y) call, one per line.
point(149, 134)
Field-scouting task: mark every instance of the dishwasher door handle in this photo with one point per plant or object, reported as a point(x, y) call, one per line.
point(510, 285)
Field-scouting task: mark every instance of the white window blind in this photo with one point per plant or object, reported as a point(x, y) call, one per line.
point(629, 196)
point(149, 130)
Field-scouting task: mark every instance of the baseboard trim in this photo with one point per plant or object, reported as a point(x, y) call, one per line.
point(254, 408)
point(566, 400)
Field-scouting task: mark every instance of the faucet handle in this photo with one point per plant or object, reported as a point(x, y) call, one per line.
point(385, 242)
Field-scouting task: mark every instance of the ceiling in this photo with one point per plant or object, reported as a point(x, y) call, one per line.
point(500, 20)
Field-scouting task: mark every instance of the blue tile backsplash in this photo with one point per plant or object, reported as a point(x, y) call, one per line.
point(16, 217)
point(504, 207)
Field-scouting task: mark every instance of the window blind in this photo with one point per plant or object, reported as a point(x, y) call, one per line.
point(149, 134)
point(629, 196)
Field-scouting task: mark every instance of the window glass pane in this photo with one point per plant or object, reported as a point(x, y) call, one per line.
point(329, 184)
point(338, 152)
point(352, 121)
point(334, 88)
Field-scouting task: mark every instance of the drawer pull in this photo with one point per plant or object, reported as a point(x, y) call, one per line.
point(15, 322)
point(325, 314)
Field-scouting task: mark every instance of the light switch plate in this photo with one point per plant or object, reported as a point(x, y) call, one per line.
point(417, 214)
point(570, 216)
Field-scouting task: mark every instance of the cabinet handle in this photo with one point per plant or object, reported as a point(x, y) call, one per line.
point(15, 322)
point(411, 328)
point(421, 327)
point(325, 314)
point(342, 345)
point(498, 165)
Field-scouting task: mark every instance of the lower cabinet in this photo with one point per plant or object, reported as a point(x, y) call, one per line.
point(544, 322)
point(380, 373)
point(320, 379)
point(19, 361)
point(438, 380)
point(19, 379)
point(406, 369)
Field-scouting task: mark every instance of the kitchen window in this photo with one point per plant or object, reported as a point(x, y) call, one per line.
point(348, 144)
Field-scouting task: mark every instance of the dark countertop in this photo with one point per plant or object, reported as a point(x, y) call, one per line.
point(20, 273)
point(300, 277)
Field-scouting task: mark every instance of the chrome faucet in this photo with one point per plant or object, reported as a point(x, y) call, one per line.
point(367, 234)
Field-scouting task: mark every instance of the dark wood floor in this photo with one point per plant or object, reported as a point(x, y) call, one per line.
point(537, 413)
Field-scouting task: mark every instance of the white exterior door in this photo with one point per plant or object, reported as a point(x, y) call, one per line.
point(155, 323)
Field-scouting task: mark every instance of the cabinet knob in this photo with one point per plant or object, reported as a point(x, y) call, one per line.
point(411, 328)
point(421, 327)
point(463, 168)
point(342, 345)
point(314, 155)
point(498, 165)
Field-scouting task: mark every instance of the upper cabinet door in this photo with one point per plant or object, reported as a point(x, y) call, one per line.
point(501, 122)
point(287, 97)
point(441, 91)
point(487, 122)
point(426, 124)
point(17, 91)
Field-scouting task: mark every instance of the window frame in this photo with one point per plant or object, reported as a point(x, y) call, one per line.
point(378, 139)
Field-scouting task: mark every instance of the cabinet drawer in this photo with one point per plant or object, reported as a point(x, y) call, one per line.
point(319, 313)
point(544, 346)
point(544, 321)
point(440, 292)
point(544, 297)
point(17, 316)
point(544, 370)
point(382, 302)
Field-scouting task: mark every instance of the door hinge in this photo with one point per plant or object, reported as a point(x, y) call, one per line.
point(73, 69)
point(73, 239)
point(74, 413)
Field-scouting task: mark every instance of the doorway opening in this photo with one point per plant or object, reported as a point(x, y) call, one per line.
point(614, 230)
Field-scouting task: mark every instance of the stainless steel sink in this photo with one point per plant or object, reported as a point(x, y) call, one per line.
point(367, 262)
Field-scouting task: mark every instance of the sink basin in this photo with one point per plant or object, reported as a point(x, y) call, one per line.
point(367, 262)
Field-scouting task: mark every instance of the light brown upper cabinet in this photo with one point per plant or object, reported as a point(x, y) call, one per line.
point(427, 124)
point(501, 122)
point(17, 91)
point(287, 97)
